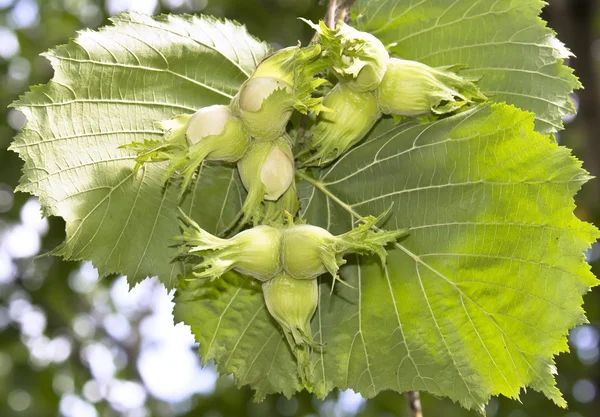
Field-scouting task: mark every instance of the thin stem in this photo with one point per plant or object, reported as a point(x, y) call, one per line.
point(319, 186)
point(343, 14)
point(330, 19)
point(302, 153)
point(332, 11)
point(414, 403)
point(337, 10)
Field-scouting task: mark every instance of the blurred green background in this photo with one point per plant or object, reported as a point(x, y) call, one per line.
point(74, 346)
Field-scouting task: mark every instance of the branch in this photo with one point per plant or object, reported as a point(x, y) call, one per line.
point(414, 403)
point(336, 10)
point(344, 15)
point(332, 10)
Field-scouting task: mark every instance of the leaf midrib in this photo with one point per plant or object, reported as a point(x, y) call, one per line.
point(321, 187)
point(418, 260)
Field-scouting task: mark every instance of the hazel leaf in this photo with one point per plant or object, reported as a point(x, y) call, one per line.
point(475, 301)
point(479, 297)
point(504, 43)
point(111, 87)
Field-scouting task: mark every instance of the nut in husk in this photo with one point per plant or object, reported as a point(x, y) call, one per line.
point(413, 89)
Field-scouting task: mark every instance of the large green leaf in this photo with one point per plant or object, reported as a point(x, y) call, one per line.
point(476, 301)
point(230, 320)
point(110, 88)
point(481, 295)
point(504, 41)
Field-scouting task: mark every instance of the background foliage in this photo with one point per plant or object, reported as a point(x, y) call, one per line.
point(70, 345)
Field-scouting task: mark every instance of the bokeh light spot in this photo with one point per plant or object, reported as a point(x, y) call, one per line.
point(15, 118)
point(126, 395)
point(9, 44)
point(8, 270)
point(19, 69)
point(33, 322)
point(22, 242)
point(350, 403)
point(6, 3)
point(73, 406)
point(6, 198)
point(31, 216)
point(117, 326)
point(100, 361)
point(63, 383)
point(25, 13)
point(92, 391)
point(584, 391)
point(84, 326)
point(85, 279)
point(19, 400)
point(142, 6)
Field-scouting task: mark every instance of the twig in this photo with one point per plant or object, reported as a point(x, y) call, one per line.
point(332, 10)
point(343, 14)
point(329, 18)
point(336, 10)
point(414, 403)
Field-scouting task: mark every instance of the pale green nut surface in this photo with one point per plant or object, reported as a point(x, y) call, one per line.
point(353, 115)
point(277, 173)
point(268, 165)
point(292, 302)
point(265, 105)
point(301, 250)
point(254, 252)
point(208, 121)
point(216, 127)
point(404, 90)
point(413, 89)
point(259, 249)
point(375, 58)
point(357, 58)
